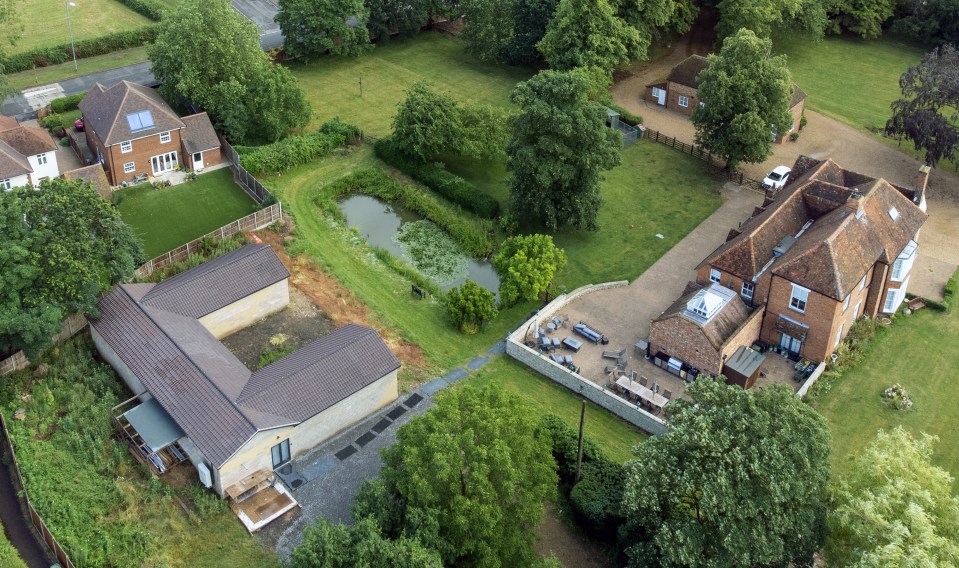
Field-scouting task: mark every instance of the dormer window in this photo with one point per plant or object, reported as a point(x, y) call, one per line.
point(142, 120)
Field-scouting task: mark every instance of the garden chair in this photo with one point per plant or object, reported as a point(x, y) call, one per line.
point(643, 381)
point(667, 395)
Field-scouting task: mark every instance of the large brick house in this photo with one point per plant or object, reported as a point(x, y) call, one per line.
point(131, 131)
point(27, 155)
point(679, 92)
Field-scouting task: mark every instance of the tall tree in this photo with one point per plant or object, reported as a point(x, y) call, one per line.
point(559, 148)
point(470, 306)
point(863, 17)
point(328, 545)
point(61, 245)
point(926, 113)
point(530, 18)
point(527, 265)
point(234, 80)
point(739, 480)
point(894, 507)
point(312, 28)
point(587, 33)
point(489, 28)
point(402, 17)
point(763, 16)
point(468, 479)
point(931, 23)
point(650, 16)
point(745, 97)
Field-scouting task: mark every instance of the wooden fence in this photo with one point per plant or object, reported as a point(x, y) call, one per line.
point(27, 506)
point(18, 360)
point(715, 168)
point(245, 179)
point(254, 222)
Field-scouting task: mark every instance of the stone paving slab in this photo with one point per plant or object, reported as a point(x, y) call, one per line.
point(477, 363)
point(456, 375)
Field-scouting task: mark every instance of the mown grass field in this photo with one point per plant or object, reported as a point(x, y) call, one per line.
point(45, 22)
point(919, 351)
point(56, 73)
point(172, 216)
point(848, 78)
point(332, 84)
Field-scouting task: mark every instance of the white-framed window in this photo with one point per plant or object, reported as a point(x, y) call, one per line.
point(41, 159)
point(6, 184)
point(126, 147)
point(839, 335)
point(845, 303)
point(715, 275)
point(129, 167)
point(855, 311)
point(799, 298)
point(164, 137)
point(748, 289)
point(890, 304)
point(683, 101)
point(862, 283)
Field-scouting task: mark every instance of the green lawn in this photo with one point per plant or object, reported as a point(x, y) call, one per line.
point(45, 22)
point(9, 557)
point(85, 66)
point(919, 352)
point(847, 78)
point(332, 84)
point(172, 216)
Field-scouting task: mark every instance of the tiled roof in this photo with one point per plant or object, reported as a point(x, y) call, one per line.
point(12, 163)
point(722, 325)
point(95, 176)
point(847, 229)
point(28, 141)
point(685, 72)
point(199, 134)
point(218, 283)
point(321, 374)
point(106, 111)
point(798, 96)
point(7, 122)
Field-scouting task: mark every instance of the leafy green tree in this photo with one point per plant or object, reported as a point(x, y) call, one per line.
point(930, 23)
point(527, 265)
point(328, 545)
point(530, 18)
point(247, 96)
point(763, 16)
point(489, 28)
point(560, 146)
point(468, 479)
point(312, 28)
point(926, 113)
point(651, 16)
point(863, 17)
point(738, 481)
point(470, 306)
point(61, 245)
point(587, 33)
point(894, 507)
point(403, 17)
point(745, 95)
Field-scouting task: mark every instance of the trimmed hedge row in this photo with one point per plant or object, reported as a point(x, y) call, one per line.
point(44, 56)
point(471, 233)
point(148, 8)
point(435, 176)
point(948, 295)
point(297, 150)
point(626, 116)
point(68, 103)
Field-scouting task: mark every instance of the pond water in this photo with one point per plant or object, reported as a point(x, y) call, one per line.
point(379, 222)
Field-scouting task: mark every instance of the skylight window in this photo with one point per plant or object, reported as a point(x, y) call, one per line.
point(140, 120)
point(705, 304)
point(894, 213)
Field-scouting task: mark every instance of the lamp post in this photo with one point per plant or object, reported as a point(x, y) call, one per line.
point(66, 6)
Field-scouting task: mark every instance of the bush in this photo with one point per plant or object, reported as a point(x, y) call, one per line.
point(470, 306)
point(471, 233)
point(626, 116)
point(43, 56)
point(148, 8)
point(68, 103)
point(435, 176)
point(297, 150)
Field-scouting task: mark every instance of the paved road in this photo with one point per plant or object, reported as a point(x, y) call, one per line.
point(262, 12)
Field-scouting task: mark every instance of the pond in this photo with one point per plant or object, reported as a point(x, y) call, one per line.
point(416, 241)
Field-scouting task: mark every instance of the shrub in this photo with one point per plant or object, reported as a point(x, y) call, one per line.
point(273, 353)
point(297, 150)
point(897, 397)
point(794, 136)
point(43, 56)
point(150, 9)
point(596, 499)
point(470, 306)
point(435, 176)
point(64, 141)
point(626, 116)
point(350, 133)
point(68, 103)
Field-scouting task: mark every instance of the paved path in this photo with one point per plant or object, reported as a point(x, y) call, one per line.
point(262, 12)
point(325, 480)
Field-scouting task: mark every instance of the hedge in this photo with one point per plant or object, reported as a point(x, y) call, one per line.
point(44, 56)
point(148, 8)
point(948, 295)
point(297, 150)
point(470, 232)
point(435, 176)
point(626, 116)
point(68, 103)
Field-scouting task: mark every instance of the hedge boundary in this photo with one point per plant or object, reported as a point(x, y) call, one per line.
point(948, 295)
point(44, 56)
point(146, 8)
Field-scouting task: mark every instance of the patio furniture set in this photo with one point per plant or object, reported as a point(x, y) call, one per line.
point(647, 397)
point(548, 345)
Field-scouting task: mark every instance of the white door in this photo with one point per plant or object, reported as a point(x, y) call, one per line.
point(790, 343)
point(198, 161)
point(660, 95)
point(163, 163)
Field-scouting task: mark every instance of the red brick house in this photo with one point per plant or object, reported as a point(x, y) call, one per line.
point(831, 247)
point(131, 131)
point(679, 92)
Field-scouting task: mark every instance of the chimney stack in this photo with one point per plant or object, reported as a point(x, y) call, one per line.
point(922, 180)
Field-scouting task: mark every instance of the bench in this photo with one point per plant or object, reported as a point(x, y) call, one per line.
point(572, 344)
point(416, 290)
point(614, 354)
point(587, 332)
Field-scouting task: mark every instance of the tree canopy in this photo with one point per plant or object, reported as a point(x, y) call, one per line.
point(559, 147)
point(208, 53)
point(894, 507)
point(745, 95)
point(527, 265)
point(926, 114)
point(931, 23)
point(489, 28)
point(468, 479)
point(328, 545)
point(739, 480)
point(530, 18)
point(470, 306)
point(405, 17)
point(61, 245)
point(312, 28)
point(862, 17)
point(587, 33)
point(763, 16)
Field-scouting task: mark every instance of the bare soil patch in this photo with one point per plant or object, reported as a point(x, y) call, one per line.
point(571, 548)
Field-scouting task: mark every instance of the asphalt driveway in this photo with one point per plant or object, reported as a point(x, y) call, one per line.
point(261, 13)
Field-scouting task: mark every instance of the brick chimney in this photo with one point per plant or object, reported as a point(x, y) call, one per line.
point(922, 180)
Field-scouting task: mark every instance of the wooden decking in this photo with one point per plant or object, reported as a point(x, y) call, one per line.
point(264, 507)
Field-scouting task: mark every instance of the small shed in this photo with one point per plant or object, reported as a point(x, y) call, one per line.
point(743, 367)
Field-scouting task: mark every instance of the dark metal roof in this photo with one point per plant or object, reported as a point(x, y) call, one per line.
point(218, 283)
point(745, 361)
point(199, 134)
point(106, 111)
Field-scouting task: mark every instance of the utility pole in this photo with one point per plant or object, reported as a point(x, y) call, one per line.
point(73, 50)
point(579, 447)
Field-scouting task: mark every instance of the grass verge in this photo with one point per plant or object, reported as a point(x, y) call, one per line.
point(9, 557)
point(172, 216)
point(85, 66)
point(45, 22)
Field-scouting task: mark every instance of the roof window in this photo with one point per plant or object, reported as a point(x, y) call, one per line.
point(140, 120)
point(894, 213)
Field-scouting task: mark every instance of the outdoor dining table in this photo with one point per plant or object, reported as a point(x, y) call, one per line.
point(656, 399)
